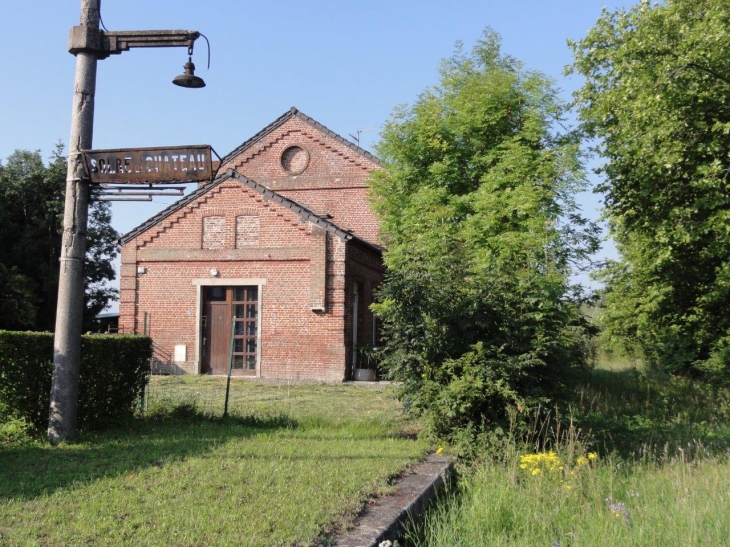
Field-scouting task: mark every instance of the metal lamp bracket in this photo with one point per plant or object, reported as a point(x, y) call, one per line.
point(103, 43)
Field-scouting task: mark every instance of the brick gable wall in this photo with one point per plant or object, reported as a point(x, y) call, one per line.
point(306, 274)
point(334, 181)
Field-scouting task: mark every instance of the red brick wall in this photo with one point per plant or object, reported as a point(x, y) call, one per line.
point(334, 181)
point(296, 342)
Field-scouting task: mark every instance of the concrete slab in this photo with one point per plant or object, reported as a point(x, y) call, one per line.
point(384, 519)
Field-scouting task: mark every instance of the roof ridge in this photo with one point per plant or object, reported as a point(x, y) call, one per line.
point(292, 112)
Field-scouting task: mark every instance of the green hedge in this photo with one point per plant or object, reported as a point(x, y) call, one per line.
point(114, 370)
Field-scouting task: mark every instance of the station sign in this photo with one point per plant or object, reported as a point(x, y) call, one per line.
point(151, 165)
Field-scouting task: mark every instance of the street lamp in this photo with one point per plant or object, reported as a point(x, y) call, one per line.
point(189, 79)
point(89, 44)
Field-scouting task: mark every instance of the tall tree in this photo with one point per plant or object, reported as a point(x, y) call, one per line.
point(101, 242)
point(31, 212)
point(657, 100)
point(481, 228)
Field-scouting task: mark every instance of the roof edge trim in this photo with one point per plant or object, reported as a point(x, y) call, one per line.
point(294, 112)
point(305, 214)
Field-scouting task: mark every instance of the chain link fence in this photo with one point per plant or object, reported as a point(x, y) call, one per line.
point(263, 399)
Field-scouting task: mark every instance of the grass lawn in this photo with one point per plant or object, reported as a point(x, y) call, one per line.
point(291, 465)
point(659, 475)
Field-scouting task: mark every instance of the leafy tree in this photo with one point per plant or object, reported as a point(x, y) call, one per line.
point(101, 242)
point(657, 101)
point(31, 205)
point(17, 300)
point(31, 224)
point(481, 228)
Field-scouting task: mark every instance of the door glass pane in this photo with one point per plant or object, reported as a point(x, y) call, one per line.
point(215, 294)
point(239, 329)
point(250, 311)
point(251, 345)
point(253, 295)
point(237, 362)
point(237, 345)
point(238, 310)
point(245, 294)
point(251, 362)
point(251, 328)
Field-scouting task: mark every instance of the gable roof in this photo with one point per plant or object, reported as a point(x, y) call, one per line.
point(305, 214)
point(292, 113)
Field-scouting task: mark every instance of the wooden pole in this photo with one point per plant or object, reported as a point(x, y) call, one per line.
point(230, 366)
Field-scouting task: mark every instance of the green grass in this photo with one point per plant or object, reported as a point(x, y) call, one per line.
point(308, 403)
point(291, 465)
point(670, 504)
point(660, 478)
point(639, 414)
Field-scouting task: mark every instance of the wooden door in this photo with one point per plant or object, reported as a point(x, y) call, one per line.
point(220, 306)
point(216, 338)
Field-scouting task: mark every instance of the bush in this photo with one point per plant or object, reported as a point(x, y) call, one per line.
point(113, 373)
point(467, 365)
point(14, 431)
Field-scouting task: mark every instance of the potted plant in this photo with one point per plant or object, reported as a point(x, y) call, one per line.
point(367, 362)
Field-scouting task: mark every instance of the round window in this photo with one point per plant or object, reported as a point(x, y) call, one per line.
point(294, 160)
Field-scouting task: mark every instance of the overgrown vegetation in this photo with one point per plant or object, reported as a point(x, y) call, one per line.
point(292, 465)
point(655, 103)
point(31, 224)
point(658, 476)
point(112, 374)
point(476, 202)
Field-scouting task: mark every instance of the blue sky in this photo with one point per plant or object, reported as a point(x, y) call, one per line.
point(345, 63)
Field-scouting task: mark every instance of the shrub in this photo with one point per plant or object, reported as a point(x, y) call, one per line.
point(113, 373)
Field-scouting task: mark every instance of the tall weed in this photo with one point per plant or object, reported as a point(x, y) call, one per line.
point(660, 478)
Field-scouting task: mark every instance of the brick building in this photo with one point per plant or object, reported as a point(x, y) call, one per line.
point(280, 251)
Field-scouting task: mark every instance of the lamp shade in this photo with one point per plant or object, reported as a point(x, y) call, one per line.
point(189, 79)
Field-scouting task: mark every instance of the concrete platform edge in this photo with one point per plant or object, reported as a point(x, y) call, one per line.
point(384, 519)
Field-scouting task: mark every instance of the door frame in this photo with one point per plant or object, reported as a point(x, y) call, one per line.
point(230, 282)
point(355, 324)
